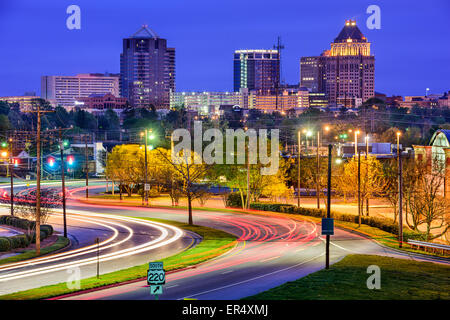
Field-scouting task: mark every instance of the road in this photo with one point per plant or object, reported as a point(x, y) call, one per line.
point(123, 242)
point(270, 251)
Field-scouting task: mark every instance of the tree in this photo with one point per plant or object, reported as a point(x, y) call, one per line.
point(125, 165)
point(191, 172)
point(372, 179)
point(425, 201)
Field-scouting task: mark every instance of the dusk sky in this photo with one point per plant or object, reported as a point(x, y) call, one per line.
point(412, 48)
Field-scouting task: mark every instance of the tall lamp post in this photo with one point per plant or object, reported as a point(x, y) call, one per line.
point(11, 171)
point(299, 138)
point(400, 192)
point(356, 141)
point(318, 170)
point(367, 172)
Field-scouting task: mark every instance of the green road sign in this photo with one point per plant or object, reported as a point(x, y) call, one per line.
point(156, 275)
point(155, 290)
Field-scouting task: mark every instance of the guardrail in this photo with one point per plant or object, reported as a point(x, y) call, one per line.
point(434, 246)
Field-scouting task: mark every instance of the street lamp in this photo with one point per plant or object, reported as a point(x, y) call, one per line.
point(356, 141)
point(299, 138)
point(400, 192)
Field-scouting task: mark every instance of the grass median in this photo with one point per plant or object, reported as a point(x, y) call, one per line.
point(60, 243)
point(214, 243)
point(400, 279)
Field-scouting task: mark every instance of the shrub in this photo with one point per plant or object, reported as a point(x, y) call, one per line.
point(22, 239)
point(43, 236)
point(17, 222)
point(48, 229)
point(15, 242)
point(234, 200)
point(5, 244)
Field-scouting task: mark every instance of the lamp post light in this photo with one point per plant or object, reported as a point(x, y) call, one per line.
point(318, 170)
point(400, 192)
point(299, 138)
point(366, 138)
point(356, 142)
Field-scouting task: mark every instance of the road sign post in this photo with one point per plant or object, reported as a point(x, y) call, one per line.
point(156, 277)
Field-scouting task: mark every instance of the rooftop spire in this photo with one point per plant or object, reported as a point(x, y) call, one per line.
point(350, 31)
point(145, 32)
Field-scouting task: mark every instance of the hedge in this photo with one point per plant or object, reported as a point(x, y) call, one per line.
point(5, 245)
point(234, 200)
point(21, 240)
point(384, 224)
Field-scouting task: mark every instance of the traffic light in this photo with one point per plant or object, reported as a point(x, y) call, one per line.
point(16, 162)
point(4, 144)
point(70, 160)
point(51, 161)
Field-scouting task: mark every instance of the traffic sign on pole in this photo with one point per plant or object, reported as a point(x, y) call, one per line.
point(156, 277)
point(327, 226)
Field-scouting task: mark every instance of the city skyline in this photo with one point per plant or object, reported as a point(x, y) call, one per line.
point(204, 60)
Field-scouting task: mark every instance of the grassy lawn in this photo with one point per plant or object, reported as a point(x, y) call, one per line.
point(213, 244)
point(60, 243)
point(401, 279)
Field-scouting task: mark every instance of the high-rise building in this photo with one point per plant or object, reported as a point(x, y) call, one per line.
point(147, 69)
point(64, 90)
point(311, 71)
point(257, 70)
point(346, 73)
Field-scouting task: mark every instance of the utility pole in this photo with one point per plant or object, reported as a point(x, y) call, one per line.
point(38, 183)
point(327, 249)
point(359, 188)
point(299, 154)
point(318, 171)
point(38, 175)
point(11, 171)
point(86, 160)
point(63, 186)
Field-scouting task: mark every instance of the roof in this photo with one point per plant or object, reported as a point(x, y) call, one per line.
point(350, 31)
point(145, 32)
point(437, 132)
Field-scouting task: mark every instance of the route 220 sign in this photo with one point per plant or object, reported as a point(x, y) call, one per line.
point(156, 275)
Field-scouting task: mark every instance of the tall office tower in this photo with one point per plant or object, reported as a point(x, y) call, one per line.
point(147, 69)
point(257, 70)
point(311, 71)
point(347, 70)
point(64, 90)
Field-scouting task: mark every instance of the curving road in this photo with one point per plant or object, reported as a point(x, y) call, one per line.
point(123, 242)
point(270, 251)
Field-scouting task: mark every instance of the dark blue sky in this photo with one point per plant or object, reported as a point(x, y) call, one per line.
point(412, 48)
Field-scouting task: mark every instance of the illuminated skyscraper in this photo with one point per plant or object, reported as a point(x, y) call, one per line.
point(147, 69)
point(346, 73)
point(257, 70)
